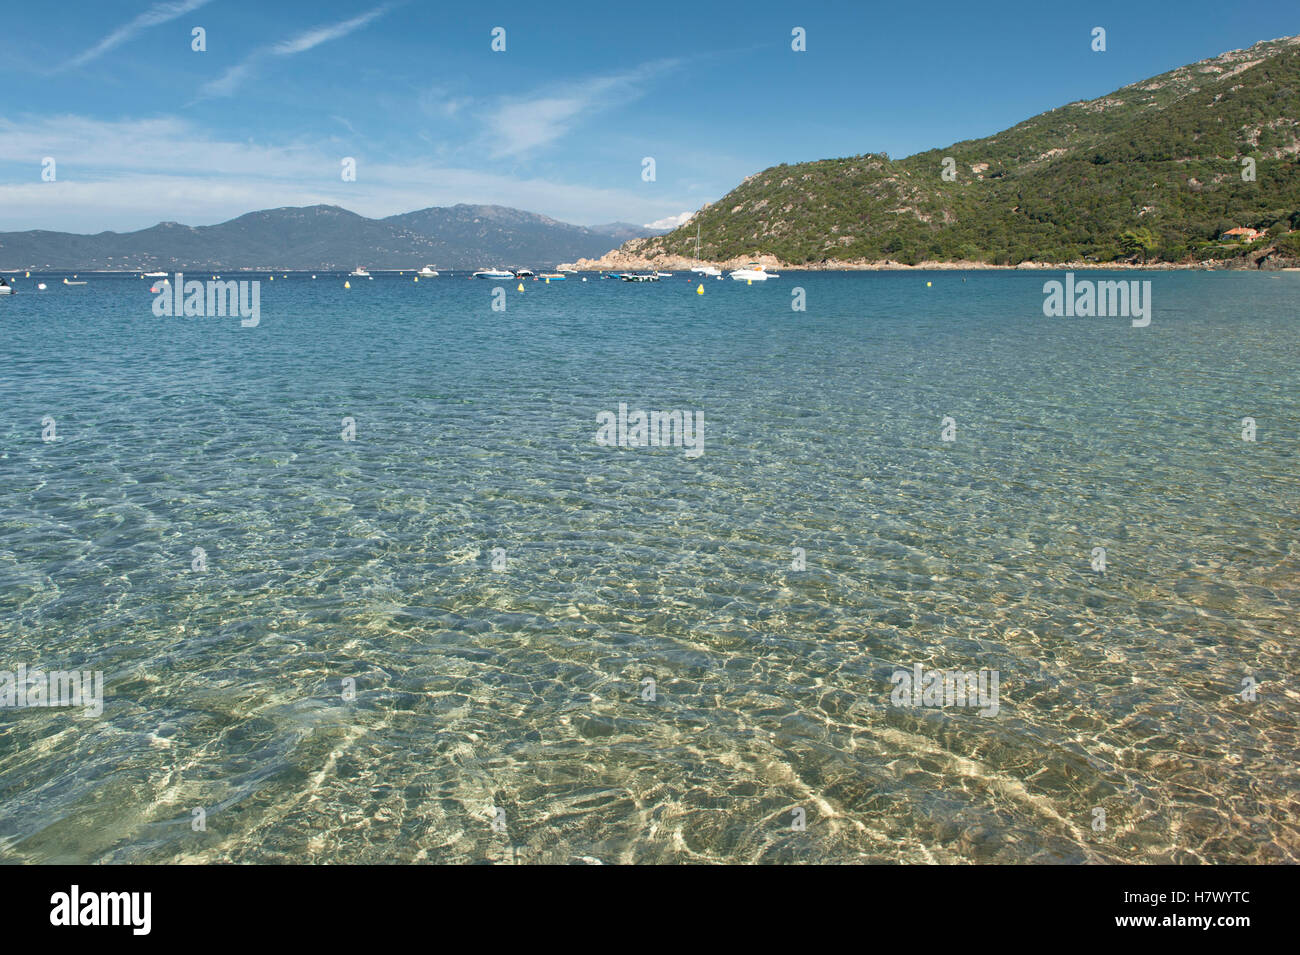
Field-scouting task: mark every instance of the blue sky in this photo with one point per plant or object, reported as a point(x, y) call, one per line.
point(143, 129)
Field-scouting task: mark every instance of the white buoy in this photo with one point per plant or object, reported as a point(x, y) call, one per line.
point(41, 286)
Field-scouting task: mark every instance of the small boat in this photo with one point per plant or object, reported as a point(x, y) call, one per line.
point(524, 274)
point(427, 272)
point(640, 277)
point(360, 273)
point(155, 275)
point(568, 271)
point(66, 282)
point(664, 275)
point(553, 276)
point(753, 273)
point(493, 274)
point(697, 268)
point(6, 288)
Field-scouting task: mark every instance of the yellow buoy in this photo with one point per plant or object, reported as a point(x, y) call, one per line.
point(928, 284)
point(271, 278)
point(699, 289)
point(521, 286)
point(347, 284)
point(417, 278)
point(29, 275)
point(749, 281)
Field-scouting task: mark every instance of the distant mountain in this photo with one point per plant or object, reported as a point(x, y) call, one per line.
point(623, 231)
point(321, 237)
point(1151, 172)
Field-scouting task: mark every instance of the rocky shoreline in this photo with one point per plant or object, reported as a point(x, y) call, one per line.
point(626, 258)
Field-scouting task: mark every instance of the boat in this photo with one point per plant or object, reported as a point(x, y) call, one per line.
point(360, 273)
point(427, 272)
point(753, 273)
point(697, 268)
point(524, 274)
point(66, 282)
point(6, 288)
point(664, 275)
point(640, 277)
point(493, 274)
point(553, 276)
point(567, 271)
point(155, 275)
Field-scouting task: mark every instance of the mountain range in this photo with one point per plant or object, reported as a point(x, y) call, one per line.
point(1156, 171)
point(326, 237)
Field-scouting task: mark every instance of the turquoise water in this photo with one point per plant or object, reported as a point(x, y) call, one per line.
point(520, 690)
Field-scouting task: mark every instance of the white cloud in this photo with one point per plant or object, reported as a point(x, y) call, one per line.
point(670, 222)
point(318, 35)
point(158, 14)
point(128, 174)
point(229, 81)
point(523, 124)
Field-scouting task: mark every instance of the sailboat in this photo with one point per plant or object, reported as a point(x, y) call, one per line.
point(697, 268)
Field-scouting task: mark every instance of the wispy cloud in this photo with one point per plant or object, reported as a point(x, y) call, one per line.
point(521, 125)
point(229, 81)
point(125, 174)
point(158, 14)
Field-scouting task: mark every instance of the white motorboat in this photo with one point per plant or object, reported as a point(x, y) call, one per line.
point(524, 274)
point(493, 274)
point(6, 288)
point(753, 273)
point(427, 272)
point(360, 273)
point(155, 275)
point(664, 275)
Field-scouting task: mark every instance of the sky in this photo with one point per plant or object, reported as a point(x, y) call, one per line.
point(143, 128)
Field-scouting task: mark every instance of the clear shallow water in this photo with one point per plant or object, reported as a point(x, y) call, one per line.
point(520, 689)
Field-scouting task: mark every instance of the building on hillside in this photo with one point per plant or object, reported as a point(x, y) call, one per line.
point(1240, 234)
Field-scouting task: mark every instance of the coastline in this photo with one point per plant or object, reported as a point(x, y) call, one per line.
point(620, 261)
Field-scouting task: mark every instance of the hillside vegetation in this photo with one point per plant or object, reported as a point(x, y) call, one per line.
point(1151, 172)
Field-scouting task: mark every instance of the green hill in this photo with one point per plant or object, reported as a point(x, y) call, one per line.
point(1151, 172)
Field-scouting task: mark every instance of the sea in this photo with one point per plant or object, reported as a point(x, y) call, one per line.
point(400, 573)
